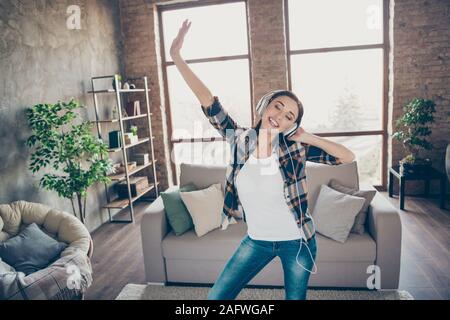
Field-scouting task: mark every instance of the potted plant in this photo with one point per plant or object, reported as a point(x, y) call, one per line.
point(412, 130)
point(74, 154)
point(134, 130)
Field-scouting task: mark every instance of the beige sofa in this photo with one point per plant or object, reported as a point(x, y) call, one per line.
point(190, 259)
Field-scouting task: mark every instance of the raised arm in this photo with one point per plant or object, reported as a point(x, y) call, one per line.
point(322, 150)
point(319, 155)
point(197, 86)
point(211, 106)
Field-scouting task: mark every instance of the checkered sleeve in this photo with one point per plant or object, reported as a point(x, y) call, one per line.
point(221, 120)
point(316, 154)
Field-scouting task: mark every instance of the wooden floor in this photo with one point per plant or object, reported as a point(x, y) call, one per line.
point(425, 260)
point(425, 265)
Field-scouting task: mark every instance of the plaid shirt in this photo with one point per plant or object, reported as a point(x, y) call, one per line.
point(243, 142)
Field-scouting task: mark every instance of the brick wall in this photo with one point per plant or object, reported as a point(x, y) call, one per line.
point(421, 67)
point(419, 29)
point(141, 57)
point(267, 47)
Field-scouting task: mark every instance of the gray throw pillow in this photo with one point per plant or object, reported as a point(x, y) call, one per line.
point(335, 212)
point(31, 250)
point(360, 220)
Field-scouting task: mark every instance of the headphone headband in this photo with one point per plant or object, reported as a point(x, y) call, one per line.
point(264, 102)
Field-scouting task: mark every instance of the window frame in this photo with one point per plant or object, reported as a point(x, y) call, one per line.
point(384, 45)
point(165, 64)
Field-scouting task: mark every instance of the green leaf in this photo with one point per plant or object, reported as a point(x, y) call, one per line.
point(64, 141)
point(412, 125)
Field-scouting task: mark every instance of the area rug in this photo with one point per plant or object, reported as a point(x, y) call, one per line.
point(160, 292)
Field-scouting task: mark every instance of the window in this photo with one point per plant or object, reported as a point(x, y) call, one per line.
point(367, 150)
point(216, 49)
point(337, 60)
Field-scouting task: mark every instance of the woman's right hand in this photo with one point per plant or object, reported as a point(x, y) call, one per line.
point(178, 41)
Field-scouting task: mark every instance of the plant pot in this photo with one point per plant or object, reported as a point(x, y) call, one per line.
point(131, 138)
point(418, 167)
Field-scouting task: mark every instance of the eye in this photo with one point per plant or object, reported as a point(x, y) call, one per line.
point(277, 106)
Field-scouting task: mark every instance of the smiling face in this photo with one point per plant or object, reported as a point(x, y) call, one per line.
point(280, 115)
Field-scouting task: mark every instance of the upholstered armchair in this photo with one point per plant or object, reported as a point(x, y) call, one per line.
point(69, 275)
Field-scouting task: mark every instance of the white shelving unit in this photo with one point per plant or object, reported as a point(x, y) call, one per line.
point(123, 203)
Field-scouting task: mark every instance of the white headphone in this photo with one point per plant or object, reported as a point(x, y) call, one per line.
point(301, 224)
point(260, 108)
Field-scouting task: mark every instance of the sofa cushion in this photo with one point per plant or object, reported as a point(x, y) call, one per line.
point(176, 212)
point(357, 248)
point(202, 175)
point(335, 213)
point(215, 245)
point(360, 220)
point(205, 207)
point(220, 245)
point(31, 250)
point(318, 174)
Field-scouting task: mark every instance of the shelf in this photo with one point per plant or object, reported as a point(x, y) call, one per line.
point(132, 145)
point(120, 91)
point(123, 119)
point(153, 184)
point(121, 176)
point(121, 203)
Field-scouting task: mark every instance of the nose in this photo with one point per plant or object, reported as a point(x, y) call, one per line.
point(279, 115)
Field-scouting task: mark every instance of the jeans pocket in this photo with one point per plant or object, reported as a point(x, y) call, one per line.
point(257, 244)
point(249, 241)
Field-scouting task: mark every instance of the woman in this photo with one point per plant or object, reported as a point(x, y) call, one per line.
point(266, 185)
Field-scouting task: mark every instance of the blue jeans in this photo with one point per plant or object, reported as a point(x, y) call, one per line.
point(253, 255)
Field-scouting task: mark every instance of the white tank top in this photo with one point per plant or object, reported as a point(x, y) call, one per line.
point(260, 189)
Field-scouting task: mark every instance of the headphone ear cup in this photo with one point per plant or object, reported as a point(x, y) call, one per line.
point(264, 102)
point(260, 111)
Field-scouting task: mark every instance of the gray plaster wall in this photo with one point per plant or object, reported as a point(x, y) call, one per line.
point(42, 61)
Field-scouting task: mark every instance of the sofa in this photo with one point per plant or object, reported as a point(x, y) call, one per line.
point(199, 260)
point(66, 278)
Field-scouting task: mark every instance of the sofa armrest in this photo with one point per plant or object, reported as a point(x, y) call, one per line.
point(154, 228)
point(384, 225)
